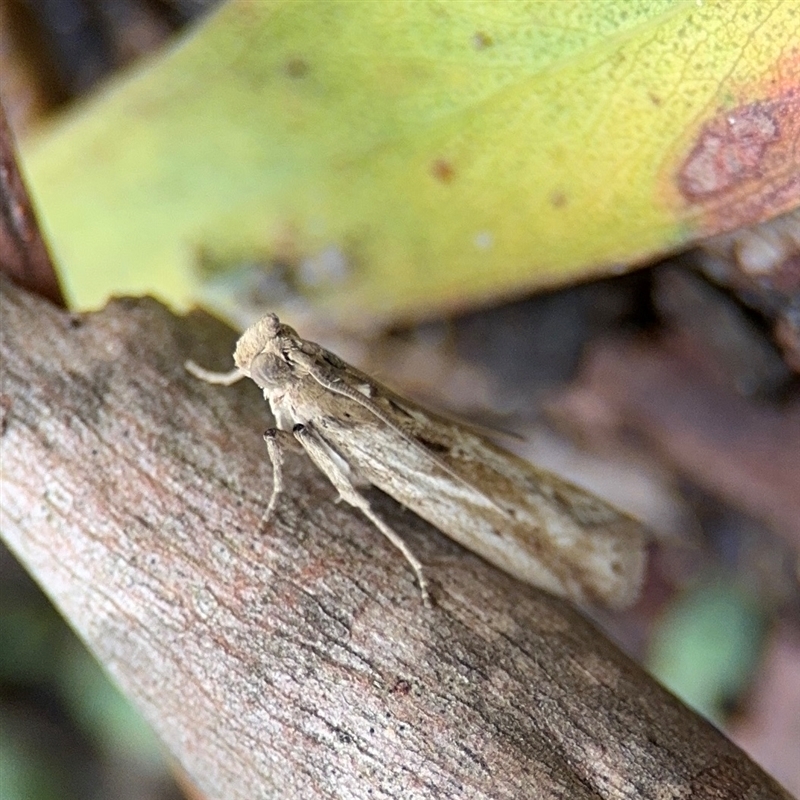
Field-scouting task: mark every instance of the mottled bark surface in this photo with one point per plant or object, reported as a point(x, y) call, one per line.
point(295, 659)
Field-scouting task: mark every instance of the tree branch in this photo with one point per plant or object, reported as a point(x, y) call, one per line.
point(295, 659)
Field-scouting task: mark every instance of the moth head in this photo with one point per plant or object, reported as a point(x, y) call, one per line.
point(260, 350)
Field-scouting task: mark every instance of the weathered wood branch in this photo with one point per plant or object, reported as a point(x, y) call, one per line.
point(295, 659)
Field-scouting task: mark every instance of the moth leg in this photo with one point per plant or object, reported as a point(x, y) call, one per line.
point(320, 454)
point(275, 448)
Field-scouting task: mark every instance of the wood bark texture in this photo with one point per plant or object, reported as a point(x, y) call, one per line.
point(294, 659)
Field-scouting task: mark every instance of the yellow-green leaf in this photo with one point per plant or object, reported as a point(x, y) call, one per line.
point(397, 157)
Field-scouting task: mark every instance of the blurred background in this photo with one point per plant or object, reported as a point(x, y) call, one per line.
point(577, 222)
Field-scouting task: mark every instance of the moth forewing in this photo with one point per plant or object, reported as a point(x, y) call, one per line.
point(524, 520)
point(534, 526)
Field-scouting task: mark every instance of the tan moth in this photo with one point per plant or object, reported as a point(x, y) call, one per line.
point(527, 521)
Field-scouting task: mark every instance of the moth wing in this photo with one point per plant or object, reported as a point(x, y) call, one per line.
point(526, 520)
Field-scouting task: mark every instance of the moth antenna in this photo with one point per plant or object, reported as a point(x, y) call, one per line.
point(209, 376)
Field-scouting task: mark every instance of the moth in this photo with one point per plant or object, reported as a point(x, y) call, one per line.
point(525, 520)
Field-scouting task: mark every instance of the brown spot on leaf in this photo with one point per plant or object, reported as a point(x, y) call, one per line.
point(442, 170)
point(730, 149)
point(481, 40)
point(558, 199)
point(296, 67)
point(654, 99)
point(743, 165)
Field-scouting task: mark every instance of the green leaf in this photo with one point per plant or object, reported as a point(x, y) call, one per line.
point(394, 158)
